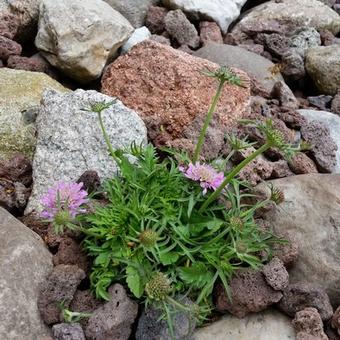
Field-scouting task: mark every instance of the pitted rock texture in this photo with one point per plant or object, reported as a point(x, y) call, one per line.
point(113, 320)
point(249, 293)
point(70, 140)
point(299, 296)
point(168, 90)
point(68, 331)
point(276, 274)
point(59, 287)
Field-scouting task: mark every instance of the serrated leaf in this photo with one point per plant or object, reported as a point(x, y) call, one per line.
point(168, 258)
point(134, 282)
point(197, 275)
point(102, 259)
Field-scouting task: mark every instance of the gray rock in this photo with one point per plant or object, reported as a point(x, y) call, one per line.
point(67, 331)
point(321, 102)
point(139, 35)
point(335, 108)
point(293, 65)
point(292, 13)
point(79, 37)
point(181, 29)
point(113, 320)
point(310, 215)
point(304, 38)
point(276, 274)
point(299, 296)
point(233, 56)
point(224, 12)
point(70, 140)
point(332, 122)
point(268, 325)
point(20, 93)
point(323, 65)
point(133, 10)
point(25, 263)
point(151, 327)
point(58, 289)
point(284, 94)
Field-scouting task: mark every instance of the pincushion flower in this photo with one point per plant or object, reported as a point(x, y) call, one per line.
point(205, 174)
point(64, 198)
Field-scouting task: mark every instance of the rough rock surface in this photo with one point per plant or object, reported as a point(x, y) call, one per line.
point(155, 19)
point(61, 24)
point(311, 215)
point(68, 331)
point(323, 147)
point(276, 274)
point(307, 322)
point(181, 29)
point(298, 296)
point(291, 13)
point(70, 140)
point(335, 322)
point(8, 47)
point(233, 56)
point(268, 325)
point(34, 64)
point(20, 95)
point(25, 263)
point(331, 121)
point(113, 320)
point(302, 164)
point(323, 65)
point(336, 104)
point(210, 32)
point(166, 87)
point(304, 38)
point(132, 10)
point(249, 292)
point(59, 287)
point(224, 12)
point(150, 327)
point(9, 24)
point(139, 35)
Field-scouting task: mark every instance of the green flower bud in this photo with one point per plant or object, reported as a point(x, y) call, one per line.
point(148, 238)
point(62, 218)
point(276, 195)
point(236, 222)
point(158, 288)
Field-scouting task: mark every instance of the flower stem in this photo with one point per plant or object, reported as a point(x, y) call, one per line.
point(233, 173)
point(207, 121)
point(106, 137)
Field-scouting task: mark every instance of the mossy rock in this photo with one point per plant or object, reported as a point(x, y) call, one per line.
point(20, 95)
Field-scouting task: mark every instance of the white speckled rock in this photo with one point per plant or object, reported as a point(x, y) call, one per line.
point(78, 37)
point(268, 325)
point(70, 140)
point(24, 264)
point(298, 13)
point(20, 95)
point(332, 121)
point(224, 12)
point(139, 35)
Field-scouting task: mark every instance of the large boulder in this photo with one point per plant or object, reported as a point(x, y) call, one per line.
point(78, 37)
point(167, 88)
point(20, 95)
point(255, 65)
point(25, 263)
point(310, 215)
point(224, 12)
point(268, 325)
point(70, 140)
point(133, 10)
point(291, 13)
point(323, 65)
point(332, 122)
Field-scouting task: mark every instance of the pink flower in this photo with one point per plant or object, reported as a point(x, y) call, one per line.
point(208, 177)
point(66, 197)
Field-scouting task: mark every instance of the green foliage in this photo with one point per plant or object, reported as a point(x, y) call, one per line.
point(72, 317)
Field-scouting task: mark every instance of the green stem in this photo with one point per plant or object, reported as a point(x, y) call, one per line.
point(207, 121)
point(233, 173)
point(106, 137)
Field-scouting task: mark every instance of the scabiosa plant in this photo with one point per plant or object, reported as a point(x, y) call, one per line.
point(62, 203)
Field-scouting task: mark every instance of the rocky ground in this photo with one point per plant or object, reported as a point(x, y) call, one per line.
point(57, 56)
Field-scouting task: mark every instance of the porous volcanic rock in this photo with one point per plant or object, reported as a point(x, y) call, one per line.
point(167, 88)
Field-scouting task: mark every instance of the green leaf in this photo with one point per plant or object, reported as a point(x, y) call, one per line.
point(168, 258)
point(198, 223)
point(134, 282)
point(197, 275)
point(102, 259)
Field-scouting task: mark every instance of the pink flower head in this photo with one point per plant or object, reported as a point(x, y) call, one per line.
point(64, 197)
point(208, 177)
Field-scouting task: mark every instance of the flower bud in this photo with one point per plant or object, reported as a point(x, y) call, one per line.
point(158, 288)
